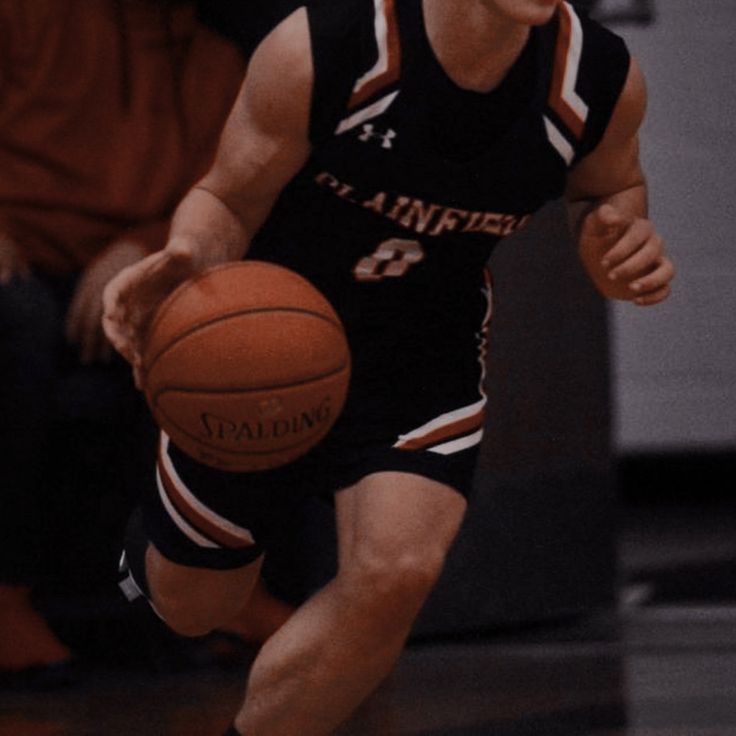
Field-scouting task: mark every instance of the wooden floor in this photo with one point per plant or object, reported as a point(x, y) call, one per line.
point(668, 671)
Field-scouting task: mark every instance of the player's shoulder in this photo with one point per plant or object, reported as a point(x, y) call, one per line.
point(573, 32)
point(586, 65)
point(602, 50)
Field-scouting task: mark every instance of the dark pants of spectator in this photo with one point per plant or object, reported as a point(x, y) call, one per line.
point(75, 441)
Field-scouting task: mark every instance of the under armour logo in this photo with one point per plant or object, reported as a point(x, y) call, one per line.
point(370, 132)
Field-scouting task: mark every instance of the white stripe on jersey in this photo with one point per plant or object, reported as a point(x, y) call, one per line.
point(198, 507)
point(381, 65)
point(450, 417)
point(179, 520)
point(561, 144)
point(372, 111)
point(461, 443)
point(444, 434)
point(572, 65)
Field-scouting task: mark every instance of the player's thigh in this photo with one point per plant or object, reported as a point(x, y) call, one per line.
point(398, 524)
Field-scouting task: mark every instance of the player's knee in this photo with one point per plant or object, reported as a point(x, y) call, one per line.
point(191, 605)
point(395, 575)
point(181, 617)
point(192, 601)
point(420, 570)
point(185, 617)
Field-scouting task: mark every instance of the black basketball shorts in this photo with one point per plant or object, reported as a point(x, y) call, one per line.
point(411, 410)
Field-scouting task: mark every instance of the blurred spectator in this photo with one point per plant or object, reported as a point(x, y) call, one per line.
point(587, 5)
point(109, 110)
point(640, 12)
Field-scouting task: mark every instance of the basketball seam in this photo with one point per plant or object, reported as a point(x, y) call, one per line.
point(239, 313)
point(242, 390)
point(170, 301)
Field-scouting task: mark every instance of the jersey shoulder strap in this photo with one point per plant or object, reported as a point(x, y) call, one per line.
point(588, 67)
point(357, 56)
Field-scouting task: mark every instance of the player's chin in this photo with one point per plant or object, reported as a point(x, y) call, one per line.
point(527, 12)
point(538, 12)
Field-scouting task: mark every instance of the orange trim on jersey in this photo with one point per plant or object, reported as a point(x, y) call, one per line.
point(562, 67)
point(192, 515)
point(444, 434)
point(389, 48)
point(466, 423)
point(485, 328)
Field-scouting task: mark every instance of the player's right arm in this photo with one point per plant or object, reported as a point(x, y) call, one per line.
point(264, 144)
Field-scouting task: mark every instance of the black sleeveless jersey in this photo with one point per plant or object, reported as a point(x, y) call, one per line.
point(413, 180)
point(411, 183)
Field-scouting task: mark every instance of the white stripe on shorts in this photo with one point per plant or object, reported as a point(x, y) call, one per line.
point(197, 506)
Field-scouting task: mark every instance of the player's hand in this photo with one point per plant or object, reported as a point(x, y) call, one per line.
point(133, 296)
point(84, 317)
point(11, 263)
point(625, 256)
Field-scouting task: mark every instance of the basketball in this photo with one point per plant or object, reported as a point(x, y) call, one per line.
point(246, 366)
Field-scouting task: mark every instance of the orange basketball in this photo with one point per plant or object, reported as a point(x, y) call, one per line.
point(246, 366)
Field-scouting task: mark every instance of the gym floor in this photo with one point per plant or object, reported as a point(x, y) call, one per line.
point(662, 664)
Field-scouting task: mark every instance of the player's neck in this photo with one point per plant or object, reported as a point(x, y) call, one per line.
point(475, 46)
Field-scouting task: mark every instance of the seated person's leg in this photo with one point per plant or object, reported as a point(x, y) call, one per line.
point(30, 337)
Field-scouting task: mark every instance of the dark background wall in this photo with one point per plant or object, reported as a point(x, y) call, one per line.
point(539, 539)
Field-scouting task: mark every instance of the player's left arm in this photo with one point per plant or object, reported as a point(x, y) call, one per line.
point(619, 246)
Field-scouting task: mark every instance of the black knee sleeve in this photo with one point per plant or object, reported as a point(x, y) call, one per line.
point(132, 569)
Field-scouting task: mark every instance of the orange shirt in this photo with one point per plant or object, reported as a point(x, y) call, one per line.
point(109, 111)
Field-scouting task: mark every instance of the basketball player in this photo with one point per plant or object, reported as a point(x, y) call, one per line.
point(382, 149)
